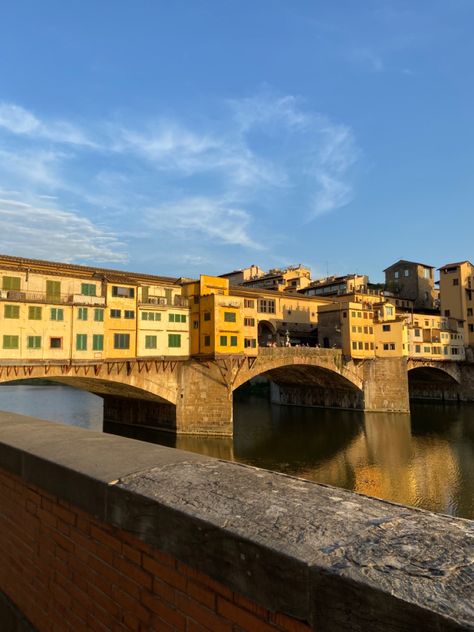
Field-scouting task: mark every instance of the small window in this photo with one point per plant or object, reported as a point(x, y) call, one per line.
point(230, 317)
point(57, 313)
point(249, 322)
point(33, 342)
point(207, 341)
point(417, 349)
point(361, 345)
point(98, 315)
point(250, 343)
point(407, 272)
point(171, 318)
point(223, 341)
point(82, 313)
point(11, 283)
point(34, 313)
point(11, 311)
point(455, 281)
point(386, 327)
point(115, 313)
point(150, 342)
point(11, 342)
point(174, 340)
point(248, 303)
point(233, 341)
point(129, 314)
point(88, 289)
point(81, 342)
point(123, 292)
point(195, 324)
point(97, 342)
point(55, 343)
point(121, 341)
point(385, 346)
point(207, 315)
point(447, 313)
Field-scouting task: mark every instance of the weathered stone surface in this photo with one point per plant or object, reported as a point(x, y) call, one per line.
point(386, 385)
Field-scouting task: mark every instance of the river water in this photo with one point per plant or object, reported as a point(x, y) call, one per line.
point(425, 459)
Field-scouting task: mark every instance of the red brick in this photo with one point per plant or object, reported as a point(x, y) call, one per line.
point(134, 555)
point(164, 590)
point(65, 515)
point(202, 594)
point(206, 581)
point(288, 624)
point(166, 573)
point(165, 612)
point(251, 606)
point(133, 572)
point(106, 538)
point(209, 619)
point(243, 618)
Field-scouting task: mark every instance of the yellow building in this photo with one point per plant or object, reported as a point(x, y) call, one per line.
point(290, 279)
point(456, 284)
point(53, 311)
point(349, 326)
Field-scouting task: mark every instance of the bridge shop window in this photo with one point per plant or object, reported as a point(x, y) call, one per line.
point(207, 315)
point(115, 313)
point(386, 328)
point(99, 315)
point(230, 317)
point(34, 312)
point(55, 343)
point(11, 311)
point(249, 322)
point(33, 342)
point(150, 342)
point(56, 313)
point(97, 342)
point(266, 306)
point(82, 313)
point(354, 345)
point(129, 313)
point(11, 283)
point(123, 292)
point(88, 289)
point(454, 351)
point(177, 318)
point(207, 341)
point(174, 340)
point(233, 341)
point(250, 343)
point(11, 342)
point(121, 341)
point(248, 303)
point(223, 341)
point(81, 342)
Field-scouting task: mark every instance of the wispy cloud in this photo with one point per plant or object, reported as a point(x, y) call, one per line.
point(48, 232)
point(226, 181)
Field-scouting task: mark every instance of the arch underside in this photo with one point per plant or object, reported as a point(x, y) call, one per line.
point(431, 374)
point(428, 382)
point(98, 386)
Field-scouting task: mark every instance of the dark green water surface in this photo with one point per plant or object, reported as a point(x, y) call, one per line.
point(425, 459)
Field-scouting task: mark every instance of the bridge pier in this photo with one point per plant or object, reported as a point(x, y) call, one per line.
point(385, 383)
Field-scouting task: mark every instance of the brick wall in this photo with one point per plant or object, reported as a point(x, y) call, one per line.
point(65, 570)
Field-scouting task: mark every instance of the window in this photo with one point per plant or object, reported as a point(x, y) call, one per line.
point(249, 322)
point(233, 341)
point(470, 328)
point(81, 342)
point(178, 318)
point(454, 351)
point(150, 342)
point(34, 313)
point(417, 349)
point(406, 272)
point(361, 345)
point(359, 329)
point(11, 311)
point(386, 327)
point(123, 292)
point(55, 343)
point(223, 341)
point(371, 346)
point(57, 313)
point(354, 344)
point(99, 315)
point(248, 303)
point(417, 333)
point(392, 346)
point(426, 349)
point(207, 341)
point(455, 281)
point(389, 311)
point(82, 313)
point(371, 330)
point(230, 317)
point(359, 314)
point(447, 313)
point(11, 283)
point(195, 324)
point(151, 316)
point(344, 314)
point(250, 343)
point(33, 342)
point(207, 315)
point(121, 341)
point(266, 306)
point(396, 274)
point(53, 290)
point(385, 346)
point(129, 313)
point(366, 346)
point(174, 340)
point(469, 311)
point(11, 342)
point(88, 289)
point(354, 329)
point(366, 330)
point(97, 342)
point(115, 313)
point(353, 314)
point(427, 273)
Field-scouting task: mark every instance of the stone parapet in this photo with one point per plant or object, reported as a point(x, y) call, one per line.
point(132, 536)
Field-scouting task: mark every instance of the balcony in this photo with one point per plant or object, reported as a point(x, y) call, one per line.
point(164, 301)
point(27, 296)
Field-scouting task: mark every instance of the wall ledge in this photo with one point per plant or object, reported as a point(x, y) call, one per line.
point(332, 558)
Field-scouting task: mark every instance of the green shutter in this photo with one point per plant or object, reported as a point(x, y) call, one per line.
point(11, 342)
point(81, 342)
point(53, 290)
point(33, 342)
point(11, 311)
point(98, 342)
point(34, 313)
point(174, 340)
point(11, 283)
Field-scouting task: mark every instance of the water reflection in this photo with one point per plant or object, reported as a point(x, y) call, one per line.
point(425, 460)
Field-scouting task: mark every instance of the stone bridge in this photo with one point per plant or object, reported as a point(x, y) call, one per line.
point(195, 396)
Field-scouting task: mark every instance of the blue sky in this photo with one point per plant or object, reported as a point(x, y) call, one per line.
point(193, 137)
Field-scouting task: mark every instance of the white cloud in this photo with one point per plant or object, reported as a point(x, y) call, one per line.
point(35, 167)
point(211, 218)
point(52, 233)
point(17, 120)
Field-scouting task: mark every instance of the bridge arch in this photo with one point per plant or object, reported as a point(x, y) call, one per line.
point(427, 381)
